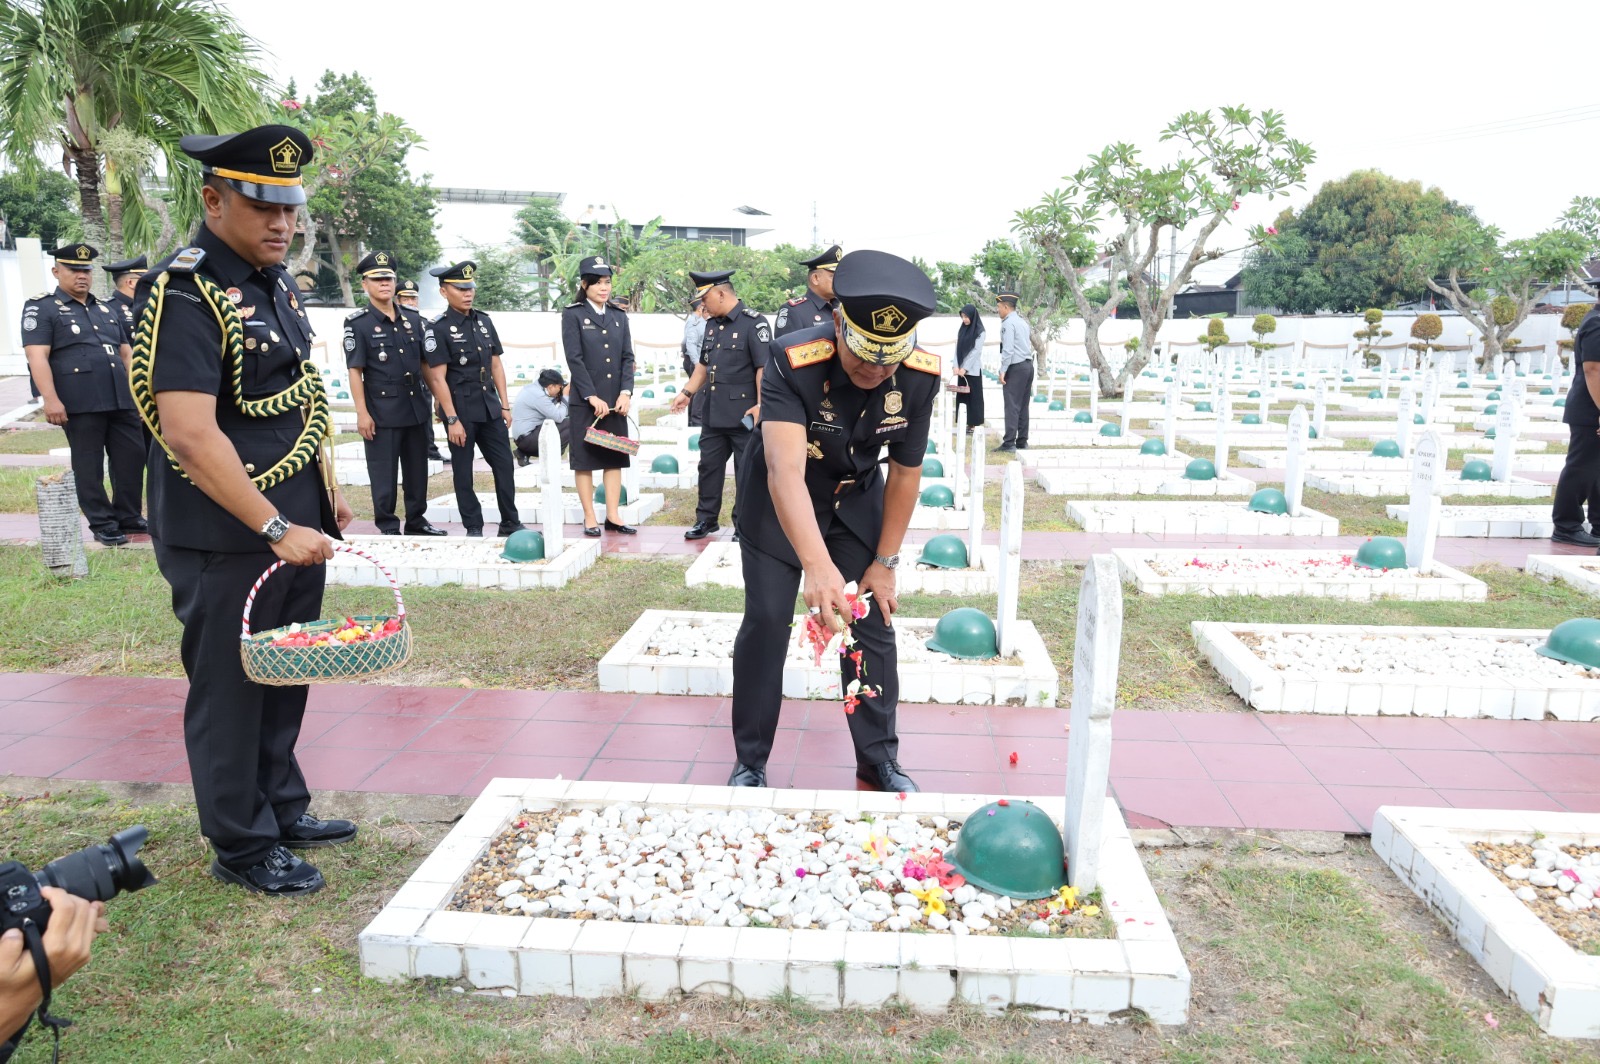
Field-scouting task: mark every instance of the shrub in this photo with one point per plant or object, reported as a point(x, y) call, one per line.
point(1370, 336)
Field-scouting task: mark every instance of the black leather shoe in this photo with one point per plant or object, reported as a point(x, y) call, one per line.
point(141, 527)
point(509, 529)
point(626, 530)
point(308, 833)
point(736, 537)
point(426, 530)
point(111, 539)
point(1005, 448)
point(280, 874)
point(886, 776)
point(592, 531)
point(702, 530)
point(435, 456)
point(1578, 538)
point(475, 532)
point(523, 460)
point(745, 776)
point(388, 531)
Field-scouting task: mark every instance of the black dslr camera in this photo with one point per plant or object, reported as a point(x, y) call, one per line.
point(95, 873)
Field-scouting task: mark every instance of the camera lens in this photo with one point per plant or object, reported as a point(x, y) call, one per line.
point(101, 872)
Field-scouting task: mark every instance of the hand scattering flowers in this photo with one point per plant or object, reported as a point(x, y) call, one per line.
point(823, 638)
point(348, 632)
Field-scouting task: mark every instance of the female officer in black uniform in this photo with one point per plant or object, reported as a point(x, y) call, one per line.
point(599, 350)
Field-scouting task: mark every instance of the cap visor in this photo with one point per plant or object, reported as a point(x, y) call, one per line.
point(378, 275)
point(80, 267)
point(285, 195)
point(468, 285)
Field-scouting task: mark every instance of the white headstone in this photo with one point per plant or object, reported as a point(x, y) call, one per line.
point(1169, 428)
point(1094, 396)
point(1010, 558)
point(1506, 427)
point(1408, 412)
point(1127, 405)
point(1422, 520)
point(1383, 374)
point(1319, 410)
point(552, 510)
point(1294, 462)
point(954, 470)
point(1266, 401)
point(1517, 391)
point(1430, 395)
point(1095, 657)
point(975, 479)
point(1219, 451)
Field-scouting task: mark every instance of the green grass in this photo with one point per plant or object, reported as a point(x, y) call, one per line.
point(31, 441)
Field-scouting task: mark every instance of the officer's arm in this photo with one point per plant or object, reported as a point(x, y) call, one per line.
point(1591, 379)
point(500, 384)
point(572, 347)
point(785, 445)
point(434, 358)
point(125, 352)
point(39, 365)
point(189, 423)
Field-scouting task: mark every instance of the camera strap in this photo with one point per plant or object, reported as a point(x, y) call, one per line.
point(41, 967)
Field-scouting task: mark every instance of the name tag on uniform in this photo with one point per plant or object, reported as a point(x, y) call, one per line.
point(890, 424)
point(826, 430)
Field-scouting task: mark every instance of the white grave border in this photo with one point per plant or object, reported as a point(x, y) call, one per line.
point(1568, 568)
point(1444, 584)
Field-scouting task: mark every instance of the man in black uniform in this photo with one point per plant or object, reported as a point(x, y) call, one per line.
point(815, 504)
point(410, 297)
point(464, 371)
point(78, 353)
point(815, 308)
point(1582, 415)
point(124, 279)
point(383, 348)
point(407, 294)
point(237, 482)
point(731, 360)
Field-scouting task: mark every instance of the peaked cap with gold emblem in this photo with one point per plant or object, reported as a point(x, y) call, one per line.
point(594, 266)
point(828, 260)
point(76, 256)
point(117, 269)
point(460, 274)
point(881, 299)
point(261, 163)
point(376, 267)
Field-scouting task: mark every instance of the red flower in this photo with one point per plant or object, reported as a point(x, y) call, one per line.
point(1002, 802)
point(1013, 757)
point(289, 105)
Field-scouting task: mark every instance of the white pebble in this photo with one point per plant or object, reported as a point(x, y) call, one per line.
point(509, 887)
point(514, 901)
point(1542, 878)
point(1527, 894)
point(1516, 872)
point(1038, 927)
point(525, 853)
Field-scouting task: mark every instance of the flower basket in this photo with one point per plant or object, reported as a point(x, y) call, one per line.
point(266, 661)
point(599, 437)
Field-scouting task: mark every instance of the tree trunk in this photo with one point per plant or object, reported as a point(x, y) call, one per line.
point(335, 254)
point(298, 263)
point(86, 167)
point(114, 241)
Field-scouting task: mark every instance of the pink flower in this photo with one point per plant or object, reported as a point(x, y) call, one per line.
point(800, 873)
point(1272, 230)
point(1235, 204)
point(290, 105)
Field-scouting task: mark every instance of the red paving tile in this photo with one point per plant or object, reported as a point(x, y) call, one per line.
point(1584, 738)
point(1139, 724)
point(584, 706)
point(1480, 799)
point(466, 735)
point(430, 772)
point(330, 768)
point(1462, 770)
point(36, 718)
point(1355, 766)
point(1176, 801)
point(1251, 761)
point(624, 770)
point(508, 705)
point(525, 767)
point(313, 726)
point(1520, 736)
point(671, 709)
point(371, 731)
point(109, 721)
point(942, 720)
point(1579, 803)
point(1029, 783)
point(1280, 806)
point(1220, 728)
point(46, 755)
point(130, 761)
point(89, 689)
point(1556, 772)
point(415, 701)
point(671, 742)
point(1166, 761)
point(340, 697)
point(827, 748)
point(1299, 729)
point(1018, 720)
point(27, 685)
point(563, 738)
point(1416, 733)
point(1362, 802)
point(949, 753)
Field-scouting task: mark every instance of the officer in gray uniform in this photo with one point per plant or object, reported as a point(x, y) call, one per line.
point(383, 350)
point(731, 360)
point(815, 308)
point(815, 504)
point(465, 374)
point(77, 351)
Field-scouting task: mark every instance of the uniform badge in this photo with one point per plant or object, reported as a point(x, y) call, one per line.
point(828, 415)
point(892, 403)
point(250, 343)
point(294, 304)
point(761, 332)
point(75, 329)
point(429, 344)
point(816, 317)
point(244, 312)
point(30, 323)
point(809, 354)
point(463, 360)
point(104, 309)
point(350, 342)
point(454, 330)
point(783, 317)
point(383, 356)
point(234, 296)
point(272, 336)
point(407, 323)
point(814, 449)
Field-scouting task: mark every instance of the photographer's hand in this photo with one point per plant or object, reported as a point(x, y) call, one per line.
point(73, 924)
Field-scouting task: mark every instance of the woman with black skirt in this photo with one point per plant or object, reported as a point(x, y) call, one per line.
point(969, 365)
point(599, 350)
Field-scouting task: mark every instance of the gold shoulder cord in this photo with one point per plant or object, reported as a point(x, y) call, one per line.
point(307, 392)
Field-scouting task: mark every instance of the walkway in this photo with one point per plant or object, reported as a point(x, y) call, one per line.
point(1199, 770)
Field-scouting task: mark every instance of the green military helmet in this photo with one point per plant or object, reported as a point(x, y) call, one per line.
point(1202, 406)
point(1302, 373)
point(1547, 390)
point(965, 633)
point(931, 448)
point(1406, 377)
point(1250, 419)
point(1488, 433)
point(938, 496)
point(944, 551)
point(1492, 397)
point(1057, 404)
point(1491, 410)
point(932, 467)
point(1153, 447)
point(1299, 386)
point(524, 545)
point(1311, 432)
point(648, 393)
point(1041, 398)
point(1463, 384)
point(342, 395)
point(1269, 501)
point(1011, 847)
point(1375, 394)
point(1560, 402)
point(1166, 380)
point(1476, 469)
point(671, 389)
point(664, 463)
point(600, 494)
point(1111, 428)
point(1083, 417)
point(1381, 552)
point(1490, 376)
point(1200, 469)
point(1349, 379)
point(1386, 449)
point(694, 441)
point(1418, 419)
point(1576, 642)
point(1083, 377)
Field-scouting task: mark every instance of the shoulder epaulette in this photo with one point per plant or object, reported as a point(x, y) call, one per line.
point(186, 260)
point(796, 301)
point(752, 313)
point(41, 295)
point(923, 361)
point(354, 314)
point(808, 354)
point(577, 303)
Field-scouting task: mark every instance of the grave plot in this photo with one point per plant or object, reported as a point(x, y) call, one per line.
point(1458, 860)
point(1582, 571)
point(1329, 460)
point(529, 476)
point(430, 561)
point(1314, 573)
point(1496, 522)
point(719, 564)
point(1397, 670)
point(1195, 519)
point(350, 465)
point(678, 652)
point(632, 513)
point(1074, 438)
point(1252, 436)
point(1138, 481)
point(1372, 485)
point(1089, 458)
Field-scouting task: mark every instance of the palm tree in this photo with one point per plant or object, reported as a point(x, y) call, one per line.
point(113, 85)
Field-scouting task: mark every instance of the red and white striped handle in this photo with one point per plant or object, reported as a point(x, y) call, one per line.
point(250, 599)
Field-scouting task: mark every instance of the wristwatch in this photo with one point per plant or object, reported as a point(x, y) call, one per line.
point(891, 562)
point(275, 529)
point(451, 419)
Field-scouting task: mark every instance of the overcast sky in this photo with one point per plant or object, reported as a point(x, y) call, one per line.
point(920, 128)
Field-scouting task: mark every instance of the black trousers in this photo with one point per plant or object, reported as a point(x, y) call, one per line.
point(113, 434)
point(405, 449)
point(493, 442)
point(1578, 479)
point(240, 735)
point(1018, 392)
point(972, 400)
point(528, 442)
point(770, 588)
point(715, 447)
point(697, 407)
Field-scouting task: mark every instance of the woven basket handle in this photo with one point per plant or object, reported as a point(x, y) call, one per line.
point(250, 599)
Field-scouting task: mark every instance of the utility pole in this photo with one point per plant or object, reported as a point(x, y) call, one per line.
point(1172, 273)
point(813, 223)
